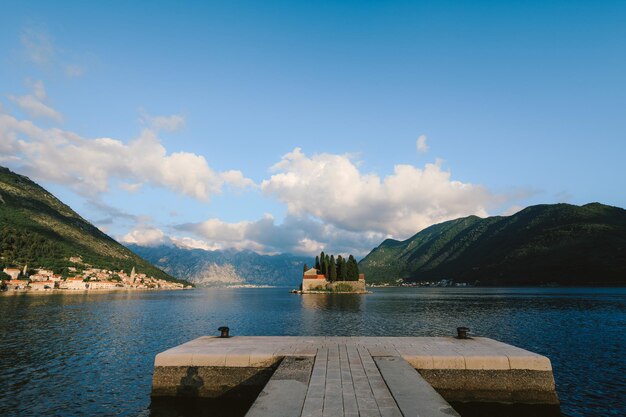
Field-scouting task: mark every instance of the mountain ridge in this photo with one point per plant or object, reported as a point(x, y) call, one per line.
point(203, 267)
point(546, 243)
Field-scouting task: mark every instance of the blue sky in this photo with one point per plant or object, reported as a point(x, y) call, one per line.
point(516, 103)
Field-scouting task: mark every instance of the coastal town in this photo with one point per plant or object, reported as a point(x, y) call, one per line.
point(89, 279)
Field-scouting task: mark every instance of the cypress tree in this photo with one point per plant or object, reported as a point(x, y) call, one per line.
point(344, 270)
point(332, 274)
point(324, 265)
point(353, 269)
point(349, 268)
point(326, 268)
point(339, 266)
point(317, 263)
point(305, 268)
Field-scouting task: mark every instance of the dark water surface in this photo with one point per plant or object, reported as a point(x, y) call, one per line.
point(92, 354)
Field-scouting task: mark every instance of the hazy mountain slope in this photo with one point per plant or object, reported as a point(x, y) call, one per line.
point(209, 268)
point(39, 230)
point(559, 243)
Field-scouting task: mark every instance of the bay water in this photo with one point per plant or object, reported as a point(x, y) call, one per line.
point(74, 354)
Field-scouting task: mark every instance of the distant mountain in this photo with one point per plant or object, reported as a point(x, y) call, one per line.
point(560, 243)
point(225, 267)
point(39, 230)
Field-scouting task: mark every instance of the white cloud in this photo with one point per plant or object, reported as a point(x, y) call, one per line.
point(295, 234)
point(236, 179)
point(190, 243)
point(33, 104)
point(145, 236)
point(89, 165)
point(422, 146)
point(332, 189)
point(37, 45)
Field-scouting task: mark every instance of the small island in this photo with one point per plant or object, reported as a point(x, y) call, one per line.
point(333, 275)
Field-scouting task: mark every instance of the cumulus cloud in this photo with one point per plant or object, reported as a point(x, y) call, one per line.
point(332, 205)
point(299, 235)
point(33, 104)
point(422, 146)
point(190, 243)
point(331, 188)
point(146, 236)
point(89, 165)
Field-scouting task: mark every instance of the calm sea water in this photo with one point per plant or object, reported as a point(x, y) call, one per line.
point(92, 354)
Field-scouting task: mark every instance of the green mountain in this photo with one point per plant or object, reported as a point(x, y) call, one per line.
point(39, 230)
point(559, 243)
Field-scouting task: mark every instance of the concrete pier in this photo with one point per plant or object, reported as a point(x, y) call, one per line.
point(362, 375)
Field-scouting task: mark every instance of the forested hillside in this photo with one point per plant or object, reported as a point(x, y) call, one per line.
point(559, 243)
point(38, 230)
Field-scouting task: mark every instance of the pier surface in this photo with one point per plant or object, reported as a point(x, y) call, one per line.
point(346, 381)
point(354, 375)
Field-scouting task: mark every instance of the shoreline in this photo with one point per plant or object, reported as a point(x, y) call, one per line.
point(99, 290)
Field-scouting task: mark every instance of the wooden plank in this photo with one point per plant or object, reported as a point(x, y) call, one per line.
point(414, 396)
point(285, 393)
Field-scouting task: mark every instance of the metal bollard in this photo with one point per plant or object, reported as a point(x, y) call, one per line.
point(462, 332)
point(224, 331)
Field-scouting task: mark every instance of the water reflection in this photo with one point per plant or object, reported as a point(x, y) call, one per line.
point(333, 302)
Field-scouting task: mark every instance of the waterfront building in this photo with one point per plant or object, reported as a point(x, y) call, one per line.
point(74, 283)
point(42, 285)
point(16, 284)
point(12, 272)
point(102, 285)
point(38, 277)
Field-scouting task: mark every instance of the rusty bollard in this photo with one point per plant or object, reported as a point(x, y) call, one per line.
point(224, 331)
point(462, 332)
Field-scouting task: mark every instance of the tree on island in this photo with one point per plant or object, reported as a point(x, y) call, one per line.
point(343, 274)
point(305, 268)
point(336, 269)
point(332, 274)
point(339, 258)
point(352, 269)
